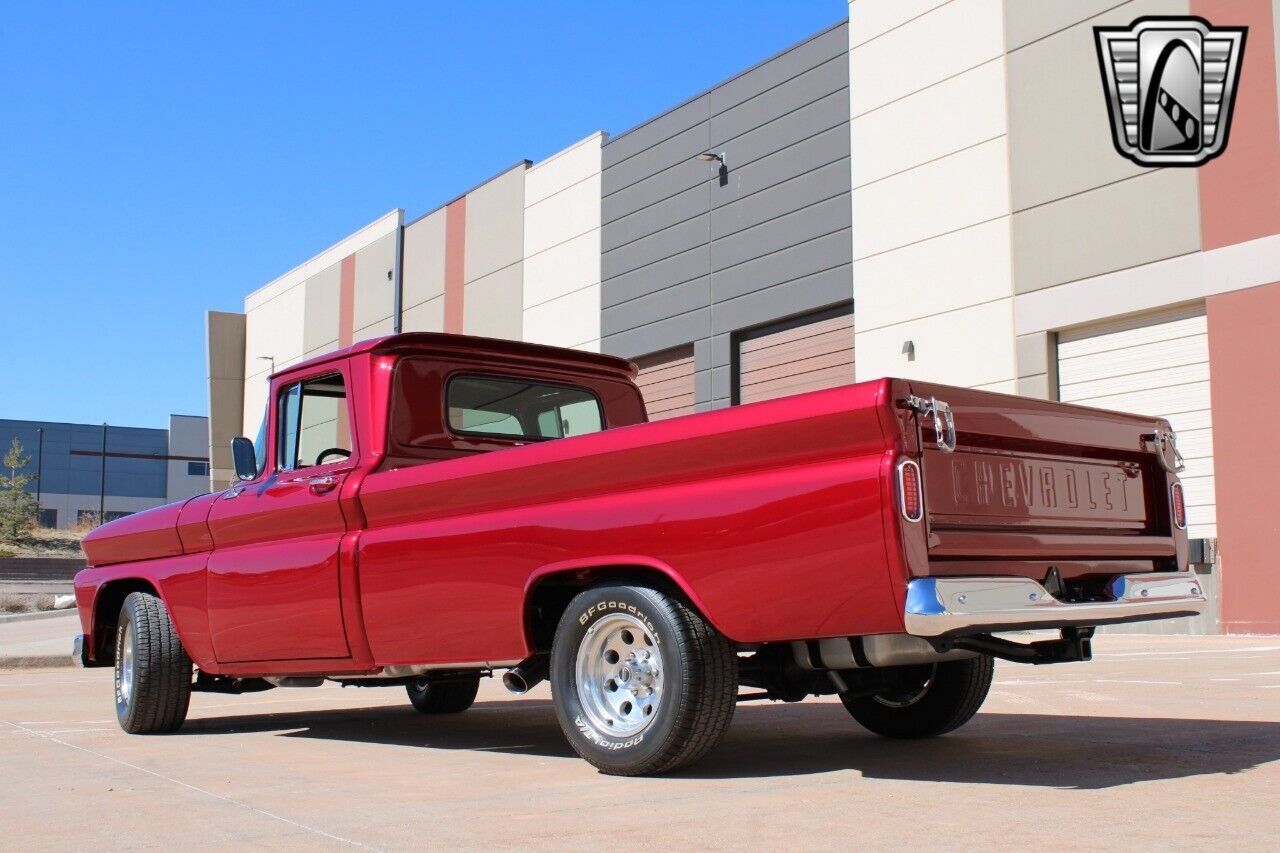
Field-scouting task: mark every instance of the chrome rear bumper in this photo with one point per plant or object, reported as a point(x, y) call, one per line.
point(954, 606)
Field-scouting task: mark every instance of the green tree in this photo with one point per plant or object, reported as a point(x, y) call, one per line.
point(18, 507)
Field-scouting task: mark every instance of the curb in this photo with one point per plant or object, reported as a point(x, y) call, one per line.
point(38, 614)
point(36, 662)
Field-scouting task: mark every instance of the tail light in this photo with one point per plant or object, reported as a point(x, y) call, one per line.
point(1179, 506)
point(910, 493)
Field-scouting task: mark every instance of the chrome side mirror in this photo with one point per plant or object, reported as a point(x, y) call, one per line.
point(244, 457)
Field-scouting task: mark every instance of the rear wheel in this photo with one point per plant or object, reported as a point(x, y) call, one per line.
point(931, 700)
point(443, 697)
point(642, 684)
point(153, 672)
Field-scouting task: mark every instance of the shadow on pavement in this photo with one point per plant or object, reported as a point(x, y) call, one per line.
point(1043, 750)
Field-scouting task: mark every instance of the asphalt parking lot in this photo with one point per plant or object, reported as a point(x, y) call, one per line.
point(1170, 742)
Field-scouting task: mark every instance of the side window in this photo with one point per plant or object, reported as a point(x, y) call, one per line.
point(315, 428)
point(517, 408)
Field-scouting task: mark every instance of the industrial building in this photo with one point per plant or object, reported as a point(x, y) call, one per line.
point(929, 190)
point(87, 472)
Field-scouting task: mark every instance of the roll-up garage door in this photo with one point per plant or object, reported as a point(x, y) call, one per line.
point(1155, 365)
point(801, 355)
point(666, 381)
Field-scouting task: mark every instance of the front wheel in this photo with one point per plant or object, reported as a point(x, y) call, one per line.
point(642, 684)
point(153, 672)
point(932, 699)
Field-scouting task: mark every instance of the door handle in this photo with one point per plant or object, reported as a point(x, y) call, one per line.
point(320, 485)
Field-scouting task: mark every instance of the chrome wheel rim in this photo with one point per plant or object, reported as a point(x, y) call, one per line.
point(619, 675)
point(126, 664)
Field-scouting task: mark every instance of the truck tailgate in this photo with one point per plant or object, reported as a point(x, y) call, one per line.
point(1033, 486)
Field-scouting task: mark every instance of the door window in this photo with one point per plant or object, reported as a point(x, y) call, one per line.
point(315, 426)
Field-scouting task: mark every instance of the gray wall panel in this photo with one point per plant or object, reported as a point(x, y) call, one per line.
point(663, 185)
point(649, 220)
point(647, 250)
point(801, 296)
point(780, 267)
point(685, 266)
point(827, 118)
point(655, 130)
point(803, 190)
point(677, 149)
point(813, 85)
point(774, 235)
point(668, 302)
point(828, 44)
point(664, 334)
point(687, 259)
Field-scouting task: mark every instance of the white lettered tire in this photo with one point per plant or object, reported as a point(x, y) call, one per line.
point(642, 684)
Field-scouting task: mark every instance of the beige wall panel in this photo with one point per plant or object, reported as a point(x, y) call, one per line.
point(320, 320)
point(425, 317)
point(1143, 219)
point(224, 333)
point(569, 213)
point(1059, 130)
point(954, 114)
point(953, 38)
point(960, 190)
point(275, 328)
point(373, 330)
point(972, 347)
point(423, 272)
point(567, 321)
point(1028, 20)
point(1185, 278)
point(495, 225)
point(946, 273)
point(869, 19)
point(563, 169)
point(562, 269)
point(493, 306)
point(375, 291)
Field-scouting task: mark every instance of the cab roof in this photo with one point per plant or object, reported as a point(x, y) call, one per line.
point(475, 348)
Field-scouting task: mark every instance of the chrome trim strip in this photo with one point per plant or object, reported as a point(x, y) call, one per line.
point(902, 495)
point(945, 606)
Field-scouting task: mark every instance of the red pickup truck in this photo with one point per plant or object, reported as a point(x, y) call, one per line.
point(424, 510)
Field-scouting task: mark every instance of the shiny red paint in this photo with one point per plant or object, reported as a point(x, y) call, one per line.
point(778, 520)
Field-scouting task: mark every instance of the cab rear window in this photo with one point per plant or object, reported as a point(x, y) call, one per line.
point(520, 410)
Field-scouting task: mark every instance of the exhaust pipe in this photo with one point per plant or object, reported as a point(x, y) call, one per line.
point(527, 674)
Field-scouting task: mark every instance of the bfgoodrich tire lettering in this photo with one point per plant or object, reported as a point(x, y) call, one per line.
point(153, 672)
point(687, 679)
point(951, 693)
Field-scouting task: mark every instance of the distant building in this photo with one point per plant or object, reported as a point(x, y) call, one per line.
point(142, 468)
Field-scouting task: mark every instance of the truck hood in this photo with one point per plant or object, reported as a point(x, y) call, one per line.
point(143, 535)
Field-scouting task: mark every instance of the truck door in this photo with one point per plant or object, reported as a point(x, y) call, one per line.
point(273, 573)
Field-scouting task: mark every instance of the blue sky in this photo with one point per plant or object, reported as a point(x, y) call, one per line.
point(159, 161)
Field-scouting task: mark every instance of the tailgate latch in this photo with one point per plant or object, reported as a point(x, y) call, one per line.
point(944, 422)
point(1167, 450)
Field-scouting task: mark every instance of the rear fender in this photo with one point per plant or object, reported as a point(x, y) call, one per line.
point(586, 572)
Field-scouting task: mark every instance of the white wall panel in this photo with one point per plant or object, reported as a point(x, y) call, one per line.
point(973, 347)
point(1151, 366)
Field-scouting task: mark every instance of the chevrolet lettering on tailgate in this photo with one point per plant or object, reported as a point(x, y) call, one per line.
point(1037, 488)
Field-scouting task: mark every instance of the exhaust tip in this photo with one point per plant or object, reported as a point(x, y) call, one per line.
point(515, 682)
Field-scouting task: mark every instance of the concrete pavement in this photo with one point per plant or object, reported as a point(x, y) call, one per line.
point(44, 641)
point(1161, 742)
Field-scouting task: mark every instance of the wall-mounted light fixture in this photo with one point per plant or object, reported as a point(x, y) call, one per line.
point(269, 358)
point(909, 350)
point(712, 157)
